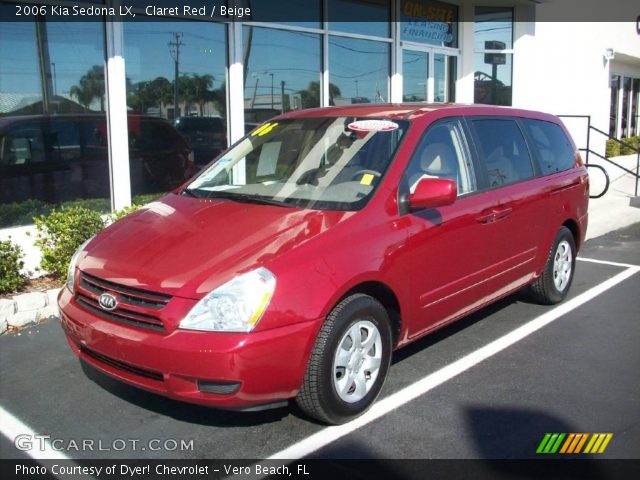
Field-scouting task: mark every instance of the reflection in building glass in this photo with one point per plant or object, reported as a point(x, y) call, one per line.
point(53, 136)
point(358, 70)
point(282, 72)
point(493, 34)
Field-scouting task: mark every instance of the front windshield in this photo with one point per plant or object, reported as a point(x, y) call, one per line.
point(332, 163)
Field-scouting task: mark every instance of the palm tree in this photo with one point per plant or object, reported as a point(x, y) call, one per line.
point(311, 95)
point(202, 93)
point(91, 85)
point(146, 94)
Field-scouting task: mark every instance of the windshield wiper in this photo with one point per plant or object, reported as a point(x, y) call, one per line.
point(246, 198)
point(189, 192)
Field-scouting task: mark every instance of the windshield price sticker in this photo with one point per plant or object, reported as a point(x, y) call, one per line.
point(373, 126)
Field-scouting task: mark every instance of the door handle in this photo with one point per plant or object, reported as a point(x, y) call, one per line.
point(493, 214)
point(487, 216)
point(502, 212)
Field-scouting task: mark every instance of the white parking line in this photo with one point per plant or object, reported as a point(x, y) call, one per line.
point(606, 262)
point(12, 428)
point(328, 435)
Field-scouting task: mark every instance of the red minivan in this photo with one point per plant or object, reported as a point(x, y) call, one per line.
point(292, 266)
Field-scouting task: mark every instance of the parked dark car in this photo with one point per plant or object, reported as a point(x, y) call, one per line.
point(207, 136)
point(64, 157)
point(324, 240)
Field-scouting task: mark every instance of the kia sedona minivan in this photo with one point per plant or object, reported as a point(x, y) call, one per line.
point(293, 266)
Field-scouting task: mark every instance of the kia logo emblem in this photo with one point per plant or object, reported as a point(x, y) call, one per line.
point(107, 301)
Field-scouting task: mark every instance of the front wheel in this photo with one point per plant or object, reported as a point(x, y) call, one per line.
point(349, 362)
point(554, 283)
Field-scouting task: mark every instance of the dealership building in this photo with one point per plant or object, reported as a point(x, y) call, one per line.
point(90, 106)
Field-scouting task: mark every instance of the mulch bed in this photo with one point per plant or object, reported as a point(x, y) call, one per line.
point(40, 284)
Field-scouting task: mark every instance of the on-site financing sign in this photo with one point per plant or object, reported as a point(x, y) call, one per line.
point(429, 21)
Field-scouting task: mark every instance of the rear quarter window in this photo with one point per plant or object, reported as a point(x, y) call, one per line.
point(551, 145)
point(503, 151)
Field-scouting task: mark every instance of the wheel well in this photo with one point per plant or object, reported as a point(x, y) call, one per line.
point(575, 231)
point(387, 298)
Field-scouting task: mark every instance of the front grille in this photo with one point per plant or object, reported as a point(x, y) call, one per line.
point(133, 296)
point(121, 365)
point(136, 307)
point(122, 315)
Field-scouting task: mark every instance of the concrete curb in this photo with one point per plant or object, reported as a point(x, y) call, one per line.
point(28, 309)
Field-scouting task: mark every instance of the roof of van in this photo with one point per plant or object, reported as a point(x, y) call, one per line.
point(414, 110)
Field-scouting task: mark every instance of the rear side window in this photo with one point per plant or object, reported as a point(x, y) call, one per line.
point(553, 148)
point(503, 151)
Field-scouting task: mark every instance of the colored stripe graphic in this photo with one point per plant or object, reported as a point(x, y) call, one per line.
point(550, 443)
point(574, 443)
point(598, 442)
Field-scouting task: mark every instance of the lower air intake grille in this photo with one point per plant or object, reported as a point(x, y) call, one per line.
point(121, 365)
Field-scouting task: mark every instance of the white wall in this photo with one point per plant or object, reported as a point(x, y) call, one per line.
point(561, 68)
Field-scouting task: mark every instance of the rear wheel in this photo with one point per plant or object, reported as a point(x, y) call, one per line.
point(554, 283)
point(349, 362)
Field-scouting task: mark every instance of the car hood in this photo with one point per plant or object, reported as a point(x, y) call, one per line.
point(186, 247)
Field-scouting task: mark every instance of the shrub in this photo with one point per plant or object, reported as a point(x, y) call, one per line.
point(60, 234)
point(118, 214)
point(612, 149)
point(10, 265)
point(630, 145)
point(21, 213)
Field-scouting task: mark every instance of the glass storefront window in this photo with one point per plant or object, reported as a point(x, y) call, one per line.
point(635, 91)
point(20, 81)
point(493, 25)
point(429, 22)
point(613, 111)
point(282, 73)
point(53, 136)
point(624, 118)
point(493, 60)
point(176, 96)
point(374, 16)
point(492, 83)
point(358, 71)
point(415, 71)
point(444, 67)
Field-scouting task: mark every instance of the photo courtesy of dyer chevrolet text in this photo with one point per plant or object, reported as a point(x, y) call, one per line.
point(127, 11)
point(164, 470)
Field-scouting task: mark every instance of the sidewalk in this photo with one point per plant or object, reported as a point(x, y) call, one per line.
point(613, 211)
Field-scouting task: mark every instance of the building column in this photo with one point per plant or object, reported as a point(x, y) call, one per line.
point(235, 105)
point(116, 93)
point(465, 82)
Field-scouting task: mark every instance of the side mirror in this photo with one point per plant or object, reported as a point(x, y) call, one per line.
point(432, 193)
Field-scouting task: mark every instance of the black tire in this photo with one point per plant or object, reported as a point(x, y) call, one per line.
point(319, 397)
point(545, 290)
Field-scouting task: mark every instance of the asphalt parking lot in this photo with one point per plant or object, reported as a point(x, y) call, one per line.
point(578, 372)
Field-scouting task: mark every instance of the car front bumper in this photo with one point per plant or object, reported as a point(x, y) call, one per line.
point(227, 370)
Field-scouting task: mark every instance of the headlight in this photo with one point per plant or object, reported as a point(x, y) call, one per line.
point(236, 306)
point(71, 273)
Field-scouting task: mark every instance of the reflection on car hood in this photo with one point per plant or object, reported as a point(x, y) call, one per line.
point(186, 246)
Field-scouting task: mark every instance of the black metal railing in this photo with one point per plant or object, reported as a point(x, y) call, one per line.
point(589, 151)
